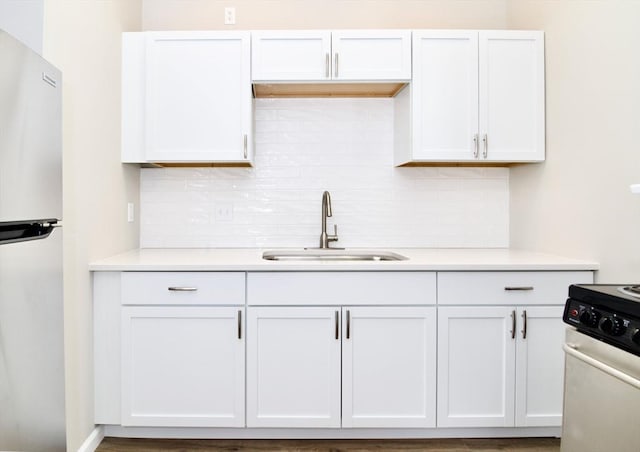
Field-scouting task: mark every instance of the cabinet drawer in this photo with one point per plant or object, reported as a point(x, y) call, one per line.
point(511, 288)
point(341, 288)
point(183, 288)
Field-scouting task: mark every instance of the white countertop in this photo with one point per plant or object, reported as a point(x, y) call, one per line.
point(420, 259)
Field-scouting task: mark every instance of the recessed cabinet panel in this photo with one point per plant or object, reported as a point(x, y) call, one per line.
point(371, 55)
point(445, 84)
point(293, 367)
point(475, 351)
point(291, 55)
point(539, 366)
point(512, 95)
point(182, 366)
point(388, 367)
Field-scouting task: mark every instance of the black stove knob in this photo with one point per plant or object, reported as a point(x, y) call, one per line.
point(612, 325)
point(589, 317)
point(635, 336)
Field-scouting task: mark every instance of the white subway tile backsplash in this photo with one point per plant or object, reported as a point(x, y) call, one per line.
point(306, 146)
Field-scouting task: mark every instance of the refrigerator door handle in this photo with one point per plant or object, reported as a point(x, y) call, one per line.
point(16, 231)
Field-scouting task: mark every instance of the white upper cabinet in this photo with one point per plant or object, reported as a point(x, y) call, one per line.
point(474, 97)
point(445, 95)
point(371, 55)
point(290, 55)
point(312, 56)
point(187, 97)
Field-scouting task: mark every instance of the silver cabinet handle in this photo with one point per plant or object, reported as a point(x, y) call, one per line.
point(182, 289)
point(475, 146)
point(337, 325)
point(522, 288)
point(513, 324)
point(336, 66)
point(524, 324)
point(485, 149)
point(245, 145)
point(239, 324)
point(348, 324)
point(327, 62)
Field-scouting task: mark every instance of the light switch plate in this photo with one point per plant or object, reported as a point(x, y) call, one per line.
point(130, 212)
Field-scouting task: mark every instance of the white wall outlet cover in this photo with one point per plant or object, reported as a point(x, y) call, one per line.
point(224, 212)
point(635, 188)
point(229, 16)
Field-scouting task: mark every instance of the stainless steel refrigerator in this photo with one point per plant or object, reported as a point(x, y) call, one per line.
point(31, 303)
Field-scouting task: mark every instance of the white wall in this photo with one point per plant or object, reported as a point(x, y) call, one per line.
point(23, 19)
point(578, 202)
point(329, 14)
point(83, 39)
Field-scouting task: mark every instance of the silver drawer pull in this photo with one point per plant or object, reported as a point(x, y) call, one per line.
point(518, 288)
point(182, 289)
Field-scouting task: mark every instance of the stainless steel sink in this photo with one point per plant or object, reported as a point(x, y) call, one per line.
point(329, 254)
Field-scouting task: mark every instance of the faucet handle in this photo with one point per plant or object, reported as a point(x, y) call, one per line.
point(334, 237)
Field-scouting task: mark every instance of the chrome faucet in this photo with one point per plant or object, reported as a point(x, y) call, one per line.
point(326, 212)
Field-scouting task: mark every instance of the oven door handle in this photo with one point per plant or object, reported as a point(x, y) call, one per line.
point(571, 350)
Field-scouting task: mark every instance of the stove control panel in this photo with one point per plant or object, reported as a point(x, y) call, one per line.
point(617, 329)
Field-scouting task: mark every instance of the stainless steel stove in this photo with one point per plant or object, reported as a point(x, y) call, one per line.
point(602, 369)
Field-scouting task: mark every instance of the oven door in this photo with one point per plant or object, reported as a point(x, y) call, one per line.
point(601, 397)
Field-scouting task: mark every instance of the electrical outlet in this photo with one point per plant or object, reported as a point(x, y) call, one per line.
point(130, 212)
point(224, 212)
point(229, 16)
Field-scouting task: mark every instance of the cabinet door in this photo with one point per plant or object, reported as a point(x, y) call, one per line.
point(512, 95)
point(371, 55)
point(445, 95)
point(539, 366)
point(182, 366)
point(291, 55)
point(293, 367)
point(388, 367)
point(476, 375)
point(198, 103)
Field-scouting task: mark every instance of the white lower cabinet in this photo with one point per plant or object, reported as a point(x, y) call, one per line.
point(182, 366)
point(540, 367)
point(500, 366)
point(388, 367)
point(351, 350)
point(500, 336)
point(307, 365)
point(293, 367)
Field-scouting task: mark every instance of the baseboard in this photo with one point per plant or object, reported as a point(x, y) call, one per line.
point(327, 433)
point(93, 440)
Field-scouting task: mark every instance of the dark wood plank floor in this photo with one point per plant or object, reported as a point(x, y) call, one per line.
point(403, 445)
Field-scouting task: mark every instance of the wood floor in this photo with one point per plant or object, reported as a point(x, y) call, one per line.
point(404, 445)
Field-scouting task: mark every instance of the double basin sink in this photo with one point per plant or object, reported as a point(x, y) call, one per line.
point(331, 254)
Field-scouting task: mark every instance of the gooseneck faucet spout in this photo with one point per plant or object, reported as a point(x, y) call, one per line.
point(326, 212)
